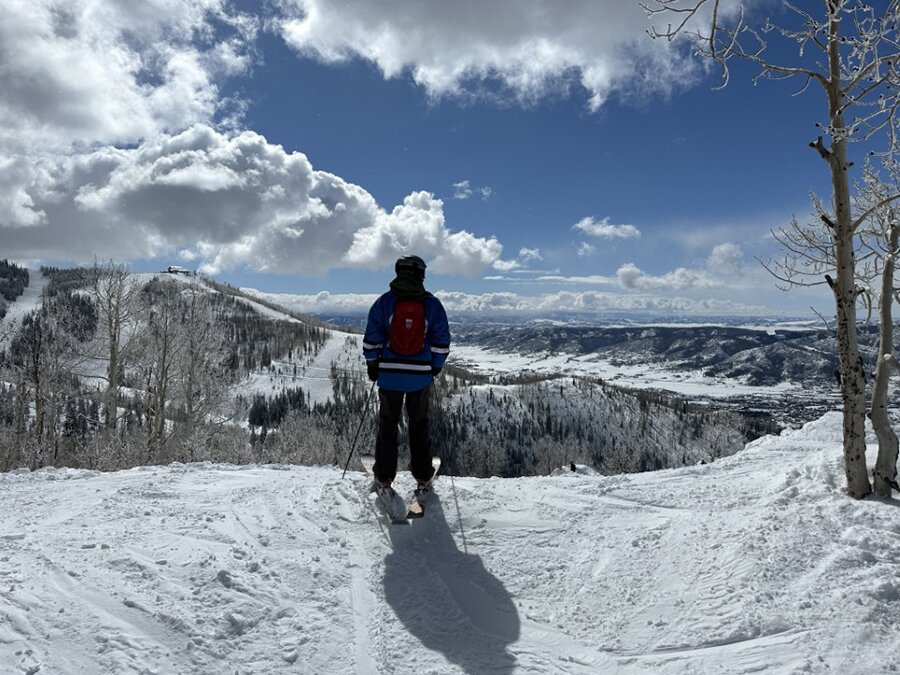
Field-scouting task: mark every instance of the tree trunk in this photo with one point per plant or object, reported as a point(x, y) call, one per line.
point(886, 464)
point(53, 420)
point(157, 412)
point(113, 292)
point(159, 422)
point(159, 393)
point(36, 368)
point(20, 421)
point(112, 373)
point(853, 383)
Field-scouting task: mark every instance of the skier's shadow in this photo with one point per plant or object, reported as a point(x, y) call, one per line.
point(447, 598)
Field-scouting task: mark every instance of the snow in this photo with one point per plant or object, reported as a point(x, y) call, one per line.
point(267, 311)
point(637, 376)
point(341, 350)
point(757, 562)
point(26, 303)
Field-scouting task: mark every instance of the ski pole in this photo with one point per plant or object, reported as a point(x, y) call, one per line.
point(358, 429)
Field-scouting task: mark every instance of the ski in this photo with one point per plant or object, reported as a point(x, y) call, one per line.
point(419, 502)
point(391, 503)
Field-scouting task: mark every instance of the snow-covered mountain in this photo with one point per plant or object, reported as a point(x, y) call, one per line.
point(247, 380)
point(727, 357)
point(756, 563)
point(785, 367)
point(785, 371)
point(761, 356)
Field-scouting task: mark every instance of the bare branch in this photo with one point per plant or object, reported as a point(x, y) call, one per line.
point(865, 215)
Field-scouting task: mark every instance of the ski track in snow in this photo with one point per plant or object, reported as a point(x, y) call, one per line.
point(755, 563)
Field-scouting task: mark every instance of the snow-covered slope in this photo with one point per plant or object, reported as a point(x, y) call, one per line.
point(313, 374)
point(29, 301)
point(755, 563)
point(642, 375)
point(755, 356)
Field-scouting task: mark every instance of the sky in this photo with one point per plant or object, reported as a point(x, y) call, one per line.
point(538, 155)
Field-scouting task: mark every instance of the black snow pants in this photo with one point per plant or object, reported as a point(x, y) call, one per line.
point(390, 411)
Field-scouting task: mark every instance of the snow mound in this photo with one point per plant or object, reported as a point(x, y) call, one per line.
point(579, 470)
point(757, 562)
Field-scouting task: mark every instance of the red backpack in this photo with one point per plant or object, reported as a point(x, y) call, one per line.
point(408, 328)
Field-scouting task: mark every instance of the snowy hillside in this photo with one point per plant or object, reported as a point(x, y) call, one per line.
point(312, 374)
point(756, 562)
point(754, 355)
point(29, 301)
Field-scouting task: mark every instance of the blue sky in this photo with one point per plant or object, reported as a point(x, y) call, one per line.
point(690, 170)
point(301, 148)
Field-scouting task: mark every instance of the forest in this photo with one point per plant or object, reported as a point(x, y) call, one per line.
point(114, 371)
point(13, 281)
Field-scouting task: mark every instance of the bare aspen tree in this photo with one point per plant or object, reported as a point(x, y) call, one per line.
point(880, 237)
point(60, 361)
point(849, 49)
point(304, 437)
point(161, 346)
point(43, 357)
point(182, 355)
point(199, 375)
point(113, 293)
point(33, 352)
point(551, 454)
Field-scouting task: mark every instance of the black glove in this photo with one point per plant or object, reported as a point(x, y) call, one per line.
point(435, 371)
point(372, 368)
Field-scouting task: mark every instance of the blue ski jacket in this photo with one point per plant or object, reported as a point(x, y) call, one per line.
point(406, 373)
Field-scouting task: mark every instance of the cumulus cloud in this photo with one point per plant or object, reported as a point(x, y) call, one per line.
point(585, 249)
point(452, 48)
point(526, 256)
point(603, 229)
point(85, 72)
point(631, 277)
point(417, 225)
point(115, 141)
point(725, 259)
point(505, 266)
point(588, 302)
point(592, 302)
point(590, 279)
point(464, 190)
point(115, 137)
point(723, 269)
point(319, 303)
point(225, 200)
point(514, 303)
point(17, 206)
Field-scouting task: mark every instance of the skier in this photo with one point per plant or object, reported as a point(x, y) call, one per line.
point(406, 343)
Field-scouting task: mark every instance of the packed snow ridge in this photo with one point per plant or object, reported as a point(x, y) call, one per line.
point(757, 562)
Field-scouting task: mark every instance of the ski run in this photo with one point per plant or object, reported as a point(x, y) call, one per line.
point(755, 563)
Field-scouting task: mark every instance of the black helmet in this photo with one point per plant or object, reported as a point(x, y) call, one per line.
point(410, 265)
